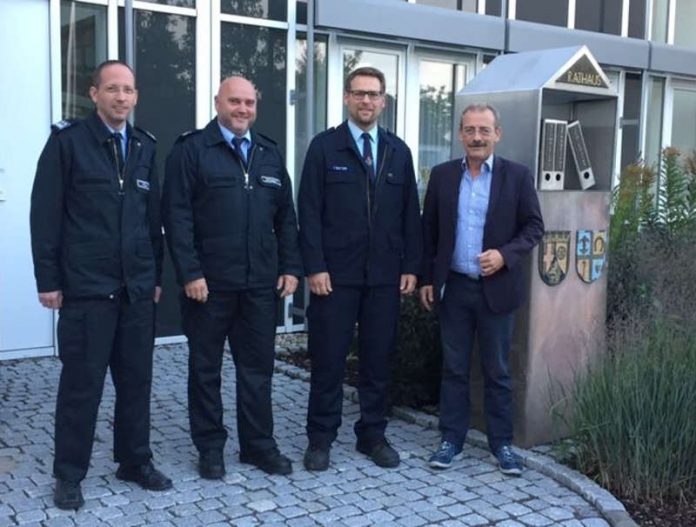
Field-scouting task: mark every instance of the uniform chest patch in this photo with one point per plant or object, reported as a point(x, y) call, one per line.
point(145, 185)
point(271, 181)
point(339, 168)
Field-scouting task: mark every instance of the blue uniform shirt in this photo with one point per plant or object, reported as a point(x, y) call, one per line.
point(229, 134)
point(471, 218)
point(357, 132)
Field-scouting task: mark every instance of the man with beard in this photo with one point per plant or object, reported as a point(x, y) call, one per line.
point(232, 233)
point(481, 218)
point(97, 246)
point(361, 245)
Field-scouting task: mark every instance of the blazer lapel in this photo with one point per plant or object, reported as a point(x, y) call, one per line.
point(453, 182)
point(497, 179)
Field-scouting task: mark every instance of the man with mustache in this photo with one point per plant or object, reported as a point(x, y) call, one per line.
point(361, 244)
point(481, 218)
point(97, 246)
point(232, 233)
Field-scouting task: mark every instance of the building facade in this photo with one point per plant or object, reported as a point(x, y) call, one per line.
point(428, 49)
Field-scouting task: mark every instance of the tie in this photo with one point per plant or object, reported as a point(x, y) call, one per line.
point(119, 146)
point(367, 155)
point(237, 143)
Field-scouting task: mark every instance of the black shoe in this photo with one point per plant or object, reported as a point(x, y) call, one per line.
point(316, 458)
point(380, 452)
point(68, 495)
point(211, 464)
point(271, 462)
point(147, 476)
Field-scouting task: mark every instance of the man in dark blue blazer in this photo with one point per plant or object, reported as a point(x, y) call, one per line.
point(360, 238)
point(481, 218)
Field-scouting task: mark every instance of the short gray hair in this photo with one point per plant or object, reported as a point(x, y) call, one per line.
point(481, 107)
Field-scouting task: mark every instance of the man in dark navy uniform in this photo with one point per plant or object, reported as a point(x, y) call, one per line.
point(361, 244)
point(97, 247)
point(232, 232)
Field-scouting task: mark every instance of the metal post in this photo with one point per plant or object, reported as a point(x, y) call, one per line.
point(130, 40)
point(310, 70)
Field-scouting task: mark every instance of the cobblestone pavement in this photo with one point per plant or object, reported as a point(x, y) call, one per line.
point(353, 492)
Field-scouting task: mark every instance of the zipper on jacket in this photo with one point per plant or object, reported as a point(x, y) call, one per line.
point(248, 169)
point(119, 169)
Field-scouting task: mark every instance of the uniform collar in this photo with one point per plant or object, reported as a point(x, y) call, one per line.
point(228, 134)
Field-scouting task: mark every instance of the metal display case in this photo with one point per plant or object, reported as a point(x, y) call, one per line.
point(541, 95)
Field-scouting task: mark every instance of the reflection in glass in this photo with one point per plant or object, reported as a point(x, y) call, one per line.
point(83, 48)
point(258, 53)
point(436, 106)
point(270, 9)
point(636, 19)
point(684, 34)
point(389, 65)
point(165, 69)
point(631, 119)
point(320, 97)
point(683, 122)
point(439, 81)
point(461, 5)
point(653, 140)
point(177, 3)
point(493, 7)
point(660, 20)
point(603, 16)
point(543, 11)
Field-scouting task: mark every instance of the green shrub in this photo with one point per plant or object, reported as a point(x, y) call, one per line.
point(417, 361)
point(632, 414)
point(633, 420)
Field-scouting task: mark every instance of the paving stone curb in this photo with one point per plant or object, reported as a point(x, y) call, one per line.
point(611, 508)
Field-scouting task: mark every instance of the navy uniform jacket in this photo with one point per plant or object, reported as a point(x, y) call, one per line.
point(513, 226)
point(92, 236)
point(235, 234)
point(358, 238)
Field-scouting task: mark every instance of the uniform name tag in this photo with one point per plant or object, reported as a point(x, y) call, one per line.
point(338, 168)
point(273, 181)
point(145, 185)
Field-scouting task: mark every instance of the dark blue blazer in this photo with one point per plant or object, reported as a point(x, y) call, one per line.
point(513, 226)
point(359, 237)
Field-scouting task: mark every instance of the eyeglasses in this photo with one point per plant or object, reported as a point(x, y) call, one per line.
point(359, 95)
point(483, 131)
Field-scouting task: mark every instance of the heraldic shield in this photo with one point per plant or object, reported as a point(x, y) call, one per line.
point(590, 252)
point(554, 253)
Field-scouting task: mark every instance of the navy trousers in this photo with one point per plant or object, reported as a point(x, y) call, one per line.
point(332, 322)
point(464, 315)
point(247, 320)
point(94, 335)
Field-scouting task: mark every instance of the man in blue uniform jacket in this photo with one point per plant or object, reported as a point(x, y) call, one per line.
point(97, 246)
point(232, 233)
point(480, 220)
point(361, 244)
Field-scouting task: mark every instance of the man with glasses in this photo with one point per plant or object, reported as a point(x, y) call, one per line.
point(360, 238)
point(97, 245)
point(481, 218)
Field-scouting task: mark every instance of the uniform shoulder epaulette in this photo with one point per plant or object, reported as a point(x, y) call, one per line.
point(149, 134)
point(188, 133)
point(62, 125)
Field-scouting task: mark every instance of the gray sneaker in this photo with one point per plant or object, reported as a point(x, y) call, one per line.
point(444, 455)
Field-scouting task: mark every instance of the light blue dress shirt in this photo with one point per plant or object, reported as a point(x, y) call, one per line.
point(229, 134)
point(357, 132)
point(474, 194)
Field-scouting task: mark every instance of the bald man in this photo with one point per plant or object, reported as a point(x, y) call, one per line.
point(232, 233)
